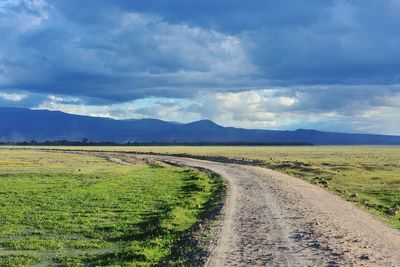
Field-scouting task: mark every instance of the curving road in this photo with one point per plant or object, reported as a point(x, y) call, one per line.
point(274, 219)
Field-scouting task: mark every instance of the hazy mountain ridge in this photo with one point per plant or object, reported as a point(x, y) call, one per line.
point(17, 124)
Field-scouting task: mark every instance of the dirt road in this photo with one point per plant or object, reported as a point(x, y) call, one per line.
point(276, 220)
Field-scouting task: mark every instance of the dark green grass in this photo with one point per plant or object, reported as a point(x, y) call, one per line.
point(116, 215)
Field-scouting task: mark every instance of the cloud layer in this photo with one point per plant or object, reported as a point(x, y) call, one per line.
point(333, 61)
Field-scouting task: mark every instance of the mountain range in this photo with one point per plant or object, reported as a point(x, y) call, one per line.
point(19, 124)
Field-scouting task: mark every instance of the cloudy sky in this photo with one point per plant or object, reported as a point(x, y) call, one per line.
point(280, 64)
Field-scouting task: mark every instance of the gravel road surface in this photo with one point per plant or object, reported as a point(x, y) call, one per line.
point(272, 219)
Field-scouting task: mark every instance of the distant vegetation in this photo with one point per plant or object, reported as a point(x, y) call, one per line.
point(95, 209)
point(86, 142)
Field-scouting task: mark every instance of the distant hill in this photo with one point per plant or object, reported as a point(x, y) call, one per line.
point(17, 124)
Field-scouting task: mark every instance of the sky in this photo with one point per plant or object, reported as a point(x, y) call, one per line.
point(331, 65)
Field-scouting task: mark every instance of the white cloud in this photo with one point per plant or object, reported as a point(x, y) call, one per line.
point(60, 103)
point(286, 101)
point(13, 97)
point(264, 109)
point(23, 15)
point(95, 111)
point(65, 99)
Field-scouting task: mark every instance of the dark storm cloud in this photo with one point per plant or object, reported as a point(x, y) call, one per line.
point(347, 101)
point(302, 42)
point(117, 55)
point(116, 51)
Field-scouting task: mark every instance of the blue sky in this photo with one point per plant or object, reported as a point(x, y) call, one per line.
point(287, 64)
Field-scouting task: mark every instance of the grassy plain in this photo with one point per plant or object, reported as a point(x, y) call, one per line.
point(71, 209)
point(366, 175)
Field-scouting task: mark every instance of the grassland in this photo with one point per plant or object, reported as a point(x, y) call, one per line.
point(70, 209)
point(366, 175)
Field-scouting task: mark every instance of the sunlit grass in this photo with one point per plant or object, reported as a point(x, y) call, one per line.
point(75, 209)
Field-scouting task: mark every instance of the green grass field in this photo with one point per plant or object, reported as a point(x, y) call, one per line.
point(81, 208)
point(366, 175)
point(70, 209)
